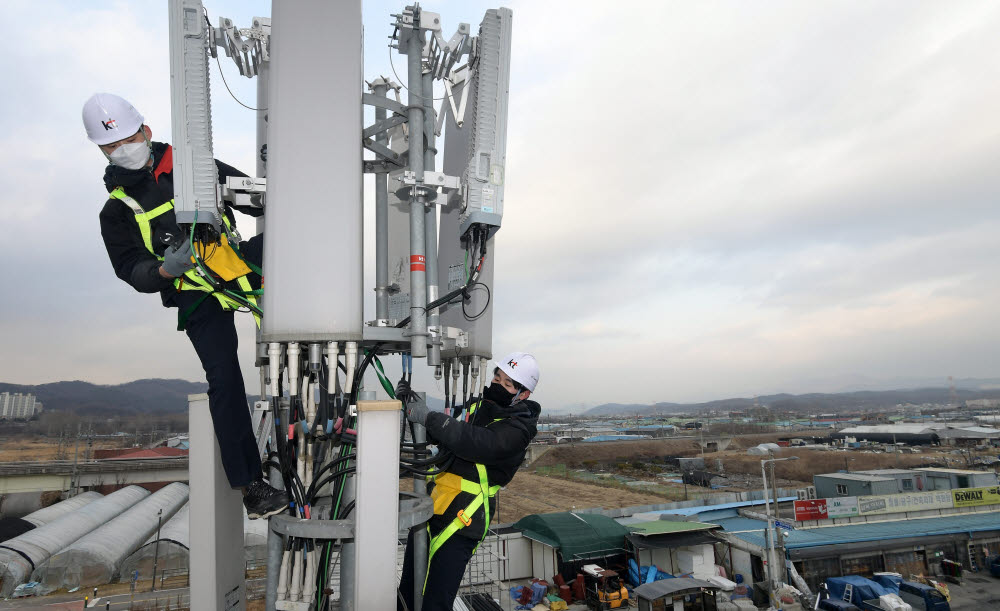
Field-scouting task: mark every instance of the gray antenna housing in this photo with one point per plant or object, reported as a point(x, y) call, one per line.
point(483, 178)
point(196, 178)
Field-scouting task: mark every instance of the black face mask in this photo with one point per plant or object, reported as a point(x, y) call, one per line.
point(499, 395)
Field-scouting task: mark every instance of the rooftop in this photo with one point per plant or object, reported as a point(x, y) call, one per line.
point(887, 471)
point(944, 470)
point(690, 511)
point(858, 477)
point(900, 429)
point(662, 527)
point(871, 531)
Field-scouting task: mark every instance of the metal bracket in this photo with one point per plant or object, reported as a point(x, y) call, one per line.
point(377, 166)
point(247, 54)
point(460, 337)
point(462, 76)
point(385, 153)
point(262, 420)
point(244, 191)
point(431, 179)
point(428, 188)
point(393, 106)
point(383, 125)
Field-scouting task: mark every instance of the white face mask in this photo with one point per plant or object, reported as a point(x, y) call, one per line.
point(131, 155)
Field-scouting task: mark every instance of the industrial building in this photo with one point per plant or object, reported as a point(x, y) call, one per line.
point(904, 546)
point(832, 485)
point(929, 433)
point(913, 434)
point(969, 436)
point(951, 479)
point(893, 481)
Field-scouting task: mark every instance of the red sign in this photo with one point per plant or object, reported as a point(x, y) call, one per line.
point(810, 510)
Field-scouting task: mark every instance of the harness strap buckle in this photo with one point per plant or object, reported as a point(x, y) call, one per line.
point(465, 520)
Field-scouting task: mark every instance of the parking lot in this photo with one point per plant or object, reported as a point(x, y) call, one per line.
point(979, 591)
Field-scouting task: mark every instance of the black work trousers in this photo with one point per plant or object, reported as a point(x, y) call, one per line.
point(212, 332)
point(444, 574)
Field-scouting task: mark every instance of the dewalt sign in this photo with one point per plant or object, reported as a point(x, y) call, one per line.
point(973, 497)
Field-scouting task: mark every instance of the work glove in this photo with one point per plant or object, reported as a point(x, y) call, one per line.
point(403, 391)
point(177, 259)
point(416, 412)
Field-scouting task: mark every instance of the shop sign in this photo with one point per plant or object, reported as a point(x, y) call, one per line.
point(814, 509)
point(842, 507)
point(974, 497)
point(900, 503)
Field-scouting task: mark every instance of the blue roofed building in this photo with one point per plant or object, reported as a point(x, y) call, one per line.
point(914, 546)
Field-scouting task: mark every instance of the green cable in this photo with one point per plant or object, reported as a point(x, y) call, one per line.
point(380, 372)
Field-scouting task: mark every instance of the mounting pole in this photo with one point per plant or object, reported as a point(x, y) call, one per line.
point(380, 88)
point(418, 255)
point(431, 223)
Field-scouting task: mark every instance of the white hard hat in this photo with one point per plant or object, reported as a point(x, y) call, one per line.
point(522, 368)
point(109, 118)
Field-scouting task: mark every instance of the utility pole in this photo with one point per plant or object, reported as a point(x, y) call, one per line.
point(75, 483)
point(774, 574)
point(780, 569)
point(156, 549)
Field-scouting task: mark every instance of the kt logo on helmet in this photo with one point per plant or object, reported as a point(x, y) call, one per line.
point(109, 124)
point(512, 363)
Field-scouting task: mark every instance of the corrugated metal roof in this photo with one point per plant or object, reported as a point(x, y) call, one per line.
point(873, 531)
point(690, 511)
point(887, 471)
point(901, 429)
point(859, 477)
point(944, 470)
point(662, 527)
point(975, 432)
point(740, 523)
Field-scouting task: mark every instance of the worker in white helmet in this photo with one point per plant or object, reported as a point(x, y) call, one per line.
point(488, 448)
point(150, 252)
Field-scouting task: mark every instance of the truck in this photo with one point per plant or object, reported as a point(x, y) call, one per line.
point(923, 597)
point(865, 594)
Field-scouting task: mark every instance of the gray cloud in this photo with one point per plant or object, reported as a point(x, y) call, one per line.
point(703, 199)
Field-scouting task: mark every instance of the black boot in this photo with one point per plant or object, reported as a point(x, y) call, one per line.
point(263, 501)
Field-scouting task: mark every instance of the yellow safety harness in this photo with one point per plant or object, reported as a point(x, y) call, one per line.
point(482, 491)
point(191, 280)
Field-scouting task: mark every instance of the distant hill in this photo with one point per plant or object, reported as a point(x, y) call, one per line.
point(140, 396)
point(809, 403)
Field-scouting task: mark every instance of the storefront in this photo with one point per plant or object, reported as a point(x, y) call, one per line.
point(891, 545)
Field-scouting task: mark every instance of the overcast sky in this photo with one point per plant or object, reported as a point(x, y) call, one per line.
point(704, 199)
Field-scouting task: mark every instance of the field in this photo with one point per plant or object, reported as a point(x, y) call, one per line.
point(528, 493)
point(14, 449)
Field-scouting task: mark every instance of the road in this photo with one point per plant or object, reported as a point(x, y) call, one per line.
point(177, 598)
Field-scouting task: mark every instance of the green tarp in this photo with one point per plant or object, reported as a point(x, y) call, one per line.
point(579, 536)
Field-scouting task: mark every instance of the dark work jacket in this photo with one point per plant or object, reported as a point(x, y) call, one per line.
point(150, 187)
point(499, 446)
